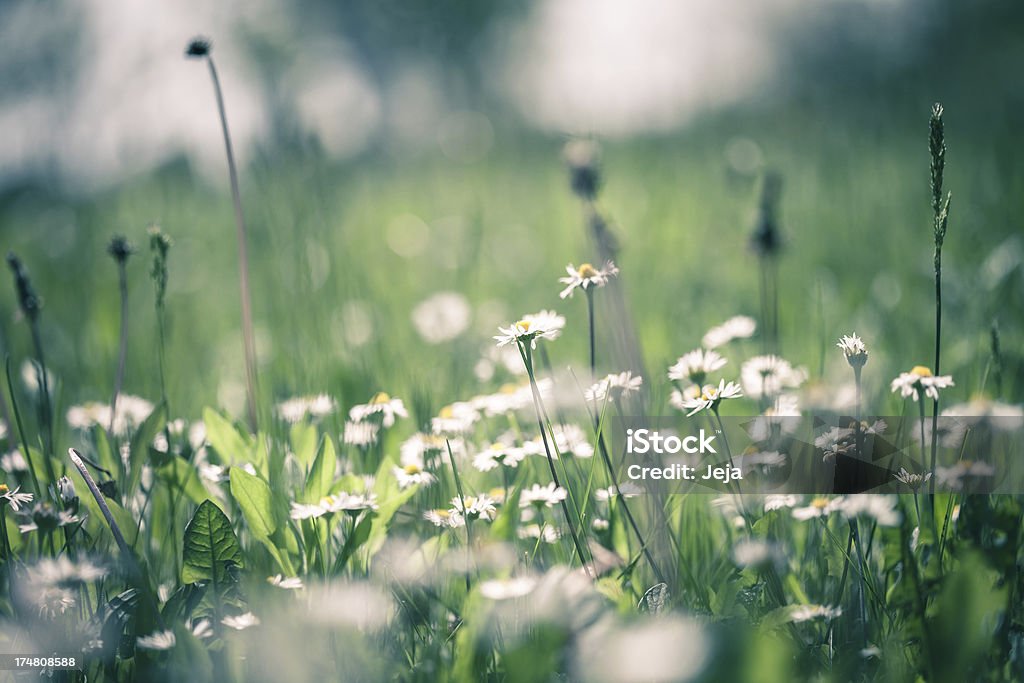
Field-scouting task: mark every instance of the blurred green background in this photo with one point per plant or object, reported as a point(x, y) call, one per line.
point(344, 245)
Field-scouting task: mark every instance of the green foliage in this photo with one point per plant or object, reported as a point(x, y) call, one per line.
point(211, 550)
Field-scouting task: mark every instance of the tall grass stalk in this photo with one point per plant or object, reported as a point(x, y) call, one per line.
point(31, 305)
point(200, 49)
point(527, 353)
point(120, 250)
point(767, 243)
point(940, 218)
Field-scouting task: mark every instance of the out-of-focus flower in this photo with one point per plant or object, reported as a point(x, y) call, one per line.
point(498, 454)
point(668, 648)
point(769, 376)
point(456, 418)
point(912, 480)
point(381, 404)
point(737, 327)
point(296, 409)
point(411, 473)
point(441, 317)
point(13, 498)
point(964, 475)
point(240, 622)
point(801, 613)
point(542, 496)
point(476, 507)
point(159, 640)
point(287, 583)
point(880, 508)
point(131, 412)
point(695, 366)
point(920, 380)
point(505, 589)
point(819, 507)
point(614, 386)
point(360, 434)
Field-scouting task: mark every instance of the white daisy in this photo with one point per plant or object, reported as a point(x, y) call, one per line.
point(819, 507)
point(352, 502)
point(547, 320)
point(444, 518)
point(241, 622)
point(159, 640)
point(878, 507)
point(769, 375)
point(360, 434)
point(381, 404)
point(13, 498)
point(695, 366)
point(542, 496)
point(412, 473)
point(476, 507)
point(456, 418)
point(570, 438)
point(131, 412)
point(614, 386)
point(586, 276)
point(524, 331)
point(296, 409)
point(628, 489)
point(13, 462)
point(854, 349)
point(738, 327)
point(710, 397)
point(287, 583)
point(497, 455)
point(780, 501)
point(963, 475)
point(912, 480)
point(504, 589)
point(801, 613)
point(441, 317)
point(310, 511)
point(547, 533)
point(920, 380)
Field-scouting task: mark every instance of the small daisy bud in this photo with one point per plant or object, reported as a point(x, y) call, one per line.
point(67, 490)
point(28, 300)
point(766, 238)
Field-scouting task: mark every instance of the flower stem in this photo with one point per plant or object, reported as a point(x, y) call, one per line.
point(590, 320)
point(122, 351)
point(525, 350)
point(243, 255)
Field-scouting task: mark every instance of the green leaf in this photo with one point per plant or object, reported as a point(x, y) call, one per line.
point(232, 446)
point(211, 547)
point(139, 446)
point(321, 476)
point(254, 497)
point(304, 443)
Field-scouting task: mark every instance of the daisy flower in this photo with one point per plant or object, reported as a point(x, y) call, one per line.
point(920, 380)
point(302, 511)
point(547, 533)
point(854, 349)
point(819, 507)
point(352, 502)
point(381, 404)
point(963, 475)
point(13, 498)
point(912, 480)
point(769, 375)
point(614, 385)
point(737, 327)
point(710, 397)
point(695, 366)
point(548, 320)
point(360, 434)
point(159, 640)
point(880, 508)
point(441, 317)
point(288, 583)
point(524, 331)
point(801, 613)
point(457, 418)
point(411, 473)
point(504, 589)
point(13, 462)
point(542, 496)
point(476, 507)
point(240, 622)
point(44, 517)
point(586, 276)
point(296, 409)
point(444, 518)
point(498, 454)
point(780, 501)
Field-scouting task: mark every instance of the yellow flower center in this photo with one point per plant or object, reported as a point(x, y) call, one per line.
point(587, 271)
point(921, 371)
point(412, 469)
point(443, 514)
point(523, 325)
point(446, 413)
point(508, 389)
point(325, 501)
point(820, 503)
point(3, 489)
point(379, 398)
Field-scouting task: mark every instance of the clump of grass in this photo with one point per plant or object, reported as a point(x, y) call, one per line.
point(199, 48)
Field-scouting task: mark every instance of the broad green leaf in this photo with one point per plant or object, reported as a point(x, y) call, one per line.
point(232, 446)
point(304, 443)
point(211, 547)
point(254, 498)
point(321, 475)
point(139, 446)
point(504, 526)
point(182, 475)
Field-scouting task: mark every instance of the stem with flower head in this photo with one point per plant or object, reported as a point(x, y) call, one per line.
point(526, 351)
point(120, 250)
point(241, 235)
